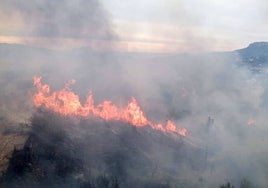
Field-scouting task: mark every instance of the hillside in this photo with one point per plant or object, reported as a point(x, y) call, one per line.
point(211, 95)
point(72, 152)
point(255, 55)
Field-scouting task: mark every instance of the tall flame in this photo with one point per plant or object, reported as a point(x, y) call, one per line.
point(66, 102)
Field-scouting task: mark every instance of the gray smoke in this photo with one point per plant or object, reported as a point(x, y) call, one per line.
point(73, 19)
point(185, 88)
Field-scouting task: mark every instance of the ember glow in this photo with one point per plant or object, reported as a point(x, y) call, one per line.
point(66, 102)
point(251, 121)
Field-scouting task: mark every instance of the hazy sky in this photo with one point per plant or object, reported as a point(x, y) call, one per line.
point(139, 25)
point(191, 24)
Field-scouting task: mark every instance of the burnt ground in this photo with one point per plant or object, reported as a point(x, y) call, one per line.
point(12, 135)
point(72, 152)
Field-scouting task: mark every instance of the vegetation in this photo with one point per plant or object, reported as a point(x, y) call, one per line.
point(245, 183)
point(227, 185)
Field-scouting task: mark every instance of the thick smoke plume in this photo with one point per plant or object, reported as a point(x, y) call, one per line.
point(71, 19)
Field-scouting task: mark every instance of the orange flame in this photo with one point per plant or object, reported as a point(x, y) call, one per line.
point(66, 102)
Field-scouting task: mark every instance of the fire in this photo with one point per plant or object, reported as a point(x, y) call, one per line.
point(65, 102)
point(251, 121)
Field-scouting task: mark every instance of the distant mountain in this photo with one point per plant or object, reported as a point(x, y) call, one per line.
point(255, 55)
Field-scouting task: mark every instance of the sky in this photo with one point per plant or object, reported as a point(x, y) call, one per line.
point(191, 25)
point(146, 26)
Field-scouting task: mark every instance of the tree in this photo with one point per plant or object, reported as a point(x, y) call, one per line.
point(228, 185)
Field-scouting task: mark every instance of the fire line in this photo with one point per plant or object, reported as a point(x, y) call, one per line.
point(66, 102)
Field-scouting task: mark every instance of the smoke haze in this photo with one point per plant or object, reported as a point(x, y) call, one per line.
point(212, 95)
point(66, 18)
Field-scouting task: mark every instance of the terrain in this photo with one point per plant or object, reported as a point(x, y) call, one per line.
point(42, 148)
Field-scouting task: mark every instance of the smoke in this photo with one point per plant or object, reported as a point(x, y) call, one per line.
point(73, 19)
point(49, 20)
point(186, 88)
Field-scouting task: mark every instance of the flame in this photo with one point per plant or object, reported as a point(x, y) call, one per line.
point(251, 121)
point(65, 102)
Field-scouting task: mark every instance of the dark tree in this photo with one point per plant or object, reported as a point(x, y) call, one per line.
point(227, 185)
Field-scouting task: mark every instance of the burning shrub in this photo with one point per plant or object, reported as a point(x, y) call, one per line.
point(72, 151)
